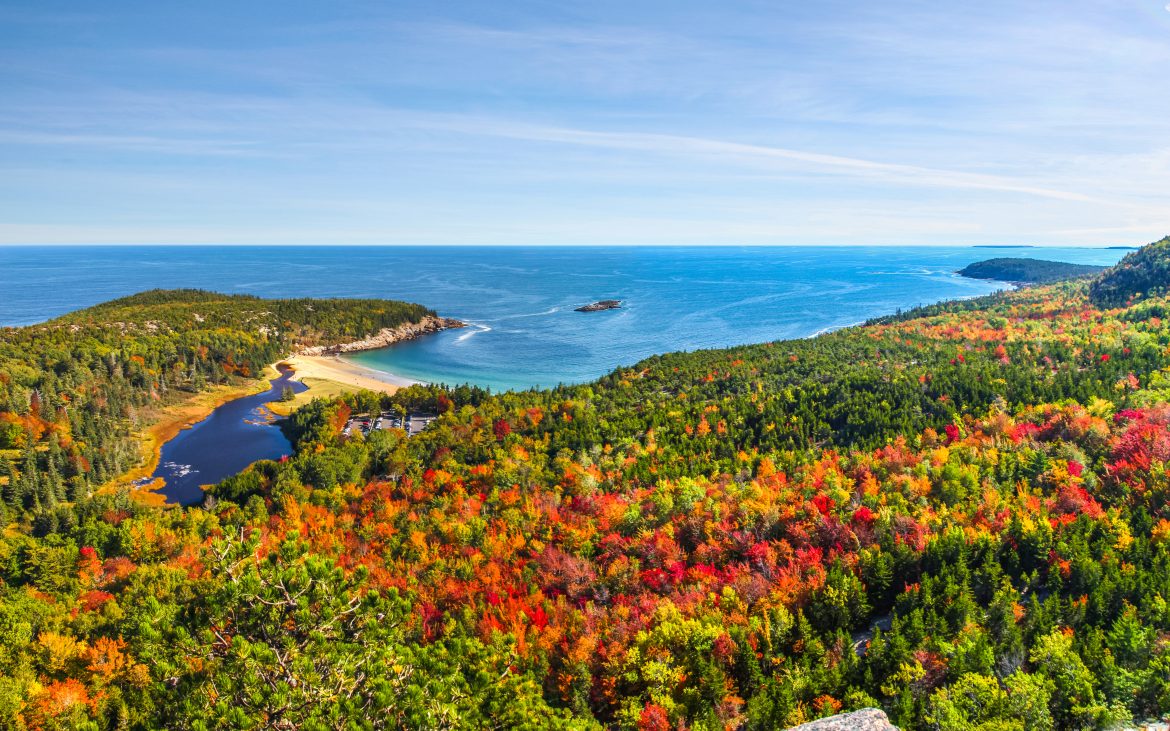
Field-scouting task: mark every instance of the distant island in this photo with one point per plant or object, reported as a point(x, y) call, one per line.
point(599, 306)
point(1027, 271)
point(1003, 246)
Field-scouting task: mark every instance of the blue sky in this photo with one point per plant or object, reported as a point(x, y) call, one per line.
point(669, 122)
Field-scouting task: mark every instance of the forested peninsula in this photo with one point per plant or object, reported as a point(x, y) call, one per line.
point(957, 514)
point(79, 393)
point(1027, 271)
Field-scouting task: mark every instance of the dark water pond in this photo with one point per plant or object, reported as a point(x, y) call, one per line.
point(234, 436)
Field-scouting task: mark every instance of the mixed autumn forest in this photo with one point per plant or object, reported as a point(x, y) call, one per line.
point(957, 514)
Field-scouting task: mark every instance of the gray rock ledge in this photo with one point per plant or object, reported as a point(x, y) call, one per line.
point(868, 719)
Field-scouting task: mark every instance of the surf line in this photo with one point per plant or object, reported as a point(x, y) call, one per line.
point(479, 328)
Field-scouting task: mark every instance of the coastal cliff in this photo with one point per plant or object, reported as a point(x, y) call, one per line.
point(387, 336)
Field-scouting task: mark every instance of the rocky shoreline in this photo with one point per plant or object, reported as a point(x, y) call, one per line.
point(387, 336)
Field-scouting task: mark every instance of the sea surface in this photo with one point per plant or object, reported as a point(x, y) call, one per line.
point(519, 300)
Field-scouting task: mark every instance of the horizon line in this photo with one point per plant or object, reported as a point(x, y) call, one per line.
point(43, 245)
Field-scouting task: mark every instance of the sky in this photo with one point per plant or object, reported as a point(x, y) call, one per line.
point(601, 122)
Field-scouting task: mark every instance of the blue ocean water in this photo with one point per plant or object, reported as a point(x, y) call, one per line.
point(519, 300)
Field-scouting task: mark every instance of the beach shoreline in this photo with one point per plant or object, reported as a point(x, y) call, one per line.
point(336, 369)
point(323, 370)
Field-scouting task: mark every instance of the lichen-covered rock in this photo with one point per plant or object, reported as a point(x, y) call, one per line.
point(868, 719)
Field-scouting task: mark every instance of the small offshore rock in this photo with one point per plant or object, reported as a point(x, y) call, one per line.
point(602, 305)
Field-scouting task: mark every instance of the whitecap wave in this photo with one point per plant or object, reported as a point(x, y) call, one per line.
point(471, 333)
point(831, 328)
point(542, 313)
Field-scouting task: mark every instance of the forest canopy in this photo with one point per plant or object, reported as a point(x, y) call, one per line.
point(1031, 271)
point(76, 391)
point(1140, 274)
point(957, 514)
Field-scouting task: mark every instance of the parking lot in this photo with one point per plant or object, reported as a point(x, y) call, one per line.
point(365, 423)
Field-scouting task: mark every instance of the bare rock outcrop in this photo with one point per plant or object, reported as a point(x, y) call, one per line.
point(600, 306)
point(868, 719)
point(387, 336)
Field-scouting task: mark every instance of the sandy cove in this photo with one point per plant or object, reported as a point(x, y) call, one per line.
point(328, 375)
point(333, 368)
point(321, 368)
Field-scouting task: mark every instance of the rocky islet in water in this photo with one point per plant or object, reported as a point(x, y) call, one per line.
point(600, 306)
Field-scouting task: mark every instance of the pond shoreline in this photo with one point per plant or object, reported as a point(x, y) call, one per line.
point(176, 418)
point(318, 369)
point(227, 440)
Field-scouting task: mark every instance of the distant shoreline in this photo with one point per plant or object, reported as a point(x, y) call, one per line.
point(1025, 272)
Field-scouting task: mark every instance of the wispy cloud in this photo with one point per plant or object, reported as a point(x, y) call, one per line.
point(138, 143)
point(755, 154)
point(368, 128)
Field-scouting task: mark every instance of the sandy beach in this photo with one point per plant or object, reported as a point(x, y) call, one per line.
point(333, 368)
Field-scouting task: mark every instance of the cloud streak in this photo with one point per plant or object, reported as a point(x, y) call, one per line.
point(751, 154)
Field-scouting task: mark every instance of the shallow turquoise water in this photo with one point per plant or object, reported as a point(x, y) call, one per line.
point(520, 301)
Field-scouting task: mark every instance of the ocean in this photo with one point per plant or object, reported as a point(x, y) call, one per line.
point(519, 301)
